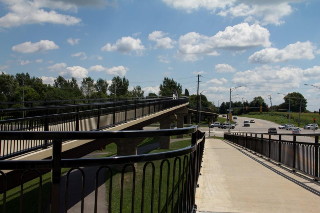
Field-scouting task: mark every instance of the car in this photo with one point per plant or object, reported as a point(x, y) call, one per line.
point(215, 124)
point(289, 126)
point(246, 123)
point(272, 130)
point(311, 126)
point(235, 117)
point(226, 126)
point(224, 116)
point(296, 130)
point(282, 126)
point(252, 121)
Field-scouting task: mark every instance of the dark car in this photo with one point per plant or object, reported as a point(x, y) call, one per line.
point(272, 131)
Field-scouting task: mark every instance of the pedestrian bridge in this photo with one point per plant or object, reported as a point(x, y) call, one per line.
point(119, 115)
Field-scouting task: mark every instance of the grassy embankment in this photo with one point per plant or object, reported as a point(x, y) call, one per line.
point(283, 117)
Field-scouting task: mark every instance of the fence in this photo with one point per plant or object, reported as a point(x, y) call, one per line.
point(299, 156)
point(83, 117)
point(158, 182)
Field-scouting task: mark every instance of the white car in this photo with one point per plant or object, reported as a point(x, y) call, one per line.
point(282, 126)
point(215, 124)
point(311, 126)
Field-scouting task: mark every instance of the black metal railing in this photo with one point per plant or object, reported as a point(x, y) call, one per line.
point(96, 116)
point(158, 182)
point(299, 156)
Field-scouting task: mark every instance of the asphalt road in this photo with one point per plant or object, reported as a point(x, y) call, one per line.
point(259, 126)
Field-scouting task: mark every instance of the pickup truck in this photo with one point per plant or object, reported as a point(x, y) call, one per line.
point(226, 126)
point(215, 124)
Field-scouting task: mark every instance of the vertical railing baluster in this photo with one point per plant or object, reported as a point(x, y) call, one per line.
point(55, 175)
point(316, 157)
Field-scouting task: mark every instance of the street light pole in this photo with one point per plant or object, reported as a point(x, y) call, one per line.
point(229, 116)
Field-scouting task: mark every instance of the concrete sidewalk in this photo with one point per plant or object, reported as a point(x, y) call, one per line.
point(234, 180)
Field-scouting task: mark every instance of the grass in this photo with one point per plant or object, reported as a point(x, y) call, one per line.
point(283, 117)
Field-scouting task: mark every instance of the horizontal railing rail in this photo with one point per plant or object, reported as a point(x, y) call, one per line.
point(285, 149)
point(157, 182)
point(99, 117)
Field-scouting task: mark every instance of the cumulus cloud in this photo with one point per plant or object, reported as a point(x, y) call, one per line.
point(160, 39)
point(273, 78)
point(224, 68)
point(193, 46)
point(117, 71)
point(36, 12)
point(73, 41)
point(48, 80)
point(263, 12)
point(220, 81)
point(148, 90)
point(125, 45)
point(81, 55)
point(298, 50)
point(28, 47)
point(73, 71)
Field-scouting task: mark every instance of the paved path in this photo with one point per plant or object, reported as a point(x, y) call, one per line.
point(234, 180)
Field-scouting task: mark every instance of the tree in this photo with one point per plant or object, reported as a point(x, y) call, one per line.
point(137, 92)
point(101, 86)
point(169, 86)
point(151, 94)
point(8, 85)
point(186, 92)
point(87, 87)
point(256, 103)
point(119, 87)
point(296, 100)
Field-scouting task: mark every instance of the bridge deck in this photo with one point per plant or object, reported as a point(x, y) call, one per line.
point(234, 180)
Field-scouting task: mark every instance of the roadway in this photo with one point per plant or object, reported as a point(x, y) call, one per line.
point(259, 126)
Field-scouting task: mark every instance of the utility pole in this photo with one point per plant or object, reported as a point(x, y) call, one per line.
point(198, 100)
point(270, 101)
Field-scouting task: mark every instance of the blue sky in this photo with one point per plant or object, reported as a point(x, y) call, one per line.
point(267, 47)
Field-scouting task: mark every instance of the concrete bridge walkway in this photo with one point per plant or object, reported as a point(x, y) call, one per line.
point(234, 180)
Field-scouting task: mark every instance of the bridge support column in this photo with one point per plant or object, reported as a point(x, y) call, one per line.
point(189, 118)
point(127, 146)
point(165, 124)
point(180, 119)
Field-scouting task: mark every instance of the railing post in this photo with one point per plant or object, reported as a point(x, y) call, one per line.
point(269, 147)
point(114, 113)
point(126, 110)
point(245, 141)
point(294, 152)
point(77, 120)
point(279, 149)
point(135, 109)
point(56, 175)
point(98, 120)
point(316, 157)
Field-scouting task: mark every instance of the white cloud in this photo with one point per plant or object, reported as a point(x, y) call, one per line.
point(160, 39)
point(220, 81)
point(81, 55)
point(148, 90)
point(193, 46)
point(35, 12)
point(270, 78)
point(242, 36)
point(125, 45)
point(163, 59)
point(74, 71)
point(28, 47)
point(73, 41)
point(24, 62)
point(48, 80)
point(117, 71)
point(263, 11)
point(224, 68)
point(298, 50)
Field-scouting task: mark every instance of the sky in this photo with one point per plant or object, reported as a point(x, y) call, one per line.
point(253, 47)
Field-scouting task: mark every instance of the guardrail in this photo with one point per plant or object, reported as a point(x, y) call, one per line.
point(159, 182)
point(89, 117)
point(299, 156)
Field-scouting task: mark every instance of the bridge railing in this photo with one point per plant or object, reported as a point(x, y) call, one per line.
point(299, 156)
point(158, 182)
point(95, 116)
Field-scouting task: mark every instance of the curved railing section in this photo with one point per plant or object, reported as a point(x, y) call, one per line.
point(300, 152)
point(156, 182)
